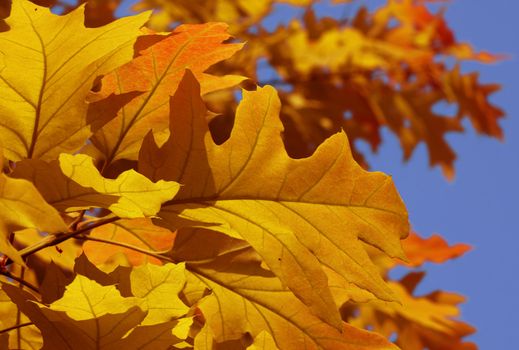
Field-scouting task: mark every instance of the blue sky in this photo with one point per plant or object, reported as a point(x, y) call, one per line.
point(480, 205)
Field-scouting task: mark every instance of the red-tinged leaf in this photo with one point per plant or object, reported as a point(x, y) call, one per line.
point(154, 75)
point(140, 233)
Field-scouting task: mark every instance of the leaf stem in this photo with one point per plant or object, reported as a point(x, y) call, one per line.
point(16, 327)
point(157, 255)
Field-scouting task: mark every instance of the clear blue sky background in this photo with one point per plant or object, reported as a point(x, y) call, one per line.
point(480, 206)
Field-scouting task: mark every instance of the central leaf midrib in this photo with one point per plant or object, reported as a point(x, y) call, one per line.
point(208, 201)
point(37, 111)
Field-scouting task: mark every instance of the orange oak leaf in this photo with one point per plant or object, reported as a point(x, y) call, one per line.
point(419, 322)
point(153, 76)
point(140, 233)
point(435, 249)
point(298, 214)
point(47, 66)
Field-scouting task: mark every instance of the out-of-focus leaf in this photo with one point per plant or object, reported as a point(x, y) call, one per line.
point(419, 250)
point(28, 337)
point(426, 322)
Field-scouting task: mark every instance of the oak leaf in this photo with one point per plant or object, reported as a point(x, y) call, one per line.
point(246, 299)
point(97, 326)
point(419, 322)
point(435, 249)
point(90, 315)
point(47, 66)
point(74, 183)
point(298, 214)
point(159, 287)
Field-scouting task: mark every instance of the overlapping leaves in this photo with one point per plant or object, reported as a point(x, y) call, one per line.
point(299, 215)
point(251, 249)
point(380, 68)
point(46, 74)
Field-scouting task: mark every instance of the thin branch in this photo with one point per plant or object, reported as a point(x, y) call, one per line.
point(157, 255)
point(74, 225)
point(55, 239)
point(19, 280)
point(16, 327)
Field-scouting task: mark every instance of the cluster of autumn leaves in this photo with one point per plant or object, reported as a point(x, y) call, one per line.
point(133, 216)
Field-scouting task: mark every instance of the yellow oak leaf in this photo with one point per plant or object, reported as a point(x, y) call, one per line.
point(159, 287)
point(22, 206)
point(74, 183)
point(98, 325)
point(93, 316)
point(298, 214)
point(86, 299)
point(248, 300)
point(154, 75)
point(47, 66)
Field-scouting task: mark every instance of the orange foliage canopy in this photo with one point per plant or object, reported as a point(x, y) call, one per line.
point(142, 206)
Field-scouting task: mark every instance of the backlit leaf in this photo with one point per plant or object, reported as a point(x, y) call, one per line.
point(47, 66)
point(297, 214)
point(246, 298)
point(22, 206)
point(139, 232)
point(419, 250)
point(74, 183)
point(159, 286)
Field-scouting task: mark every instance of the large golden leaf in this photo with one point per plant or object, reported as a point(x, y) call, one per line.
point(151, 78)
point(247, 300)
point(47, 66)
point(22, 206)
point(297, 214)
point(74, 183)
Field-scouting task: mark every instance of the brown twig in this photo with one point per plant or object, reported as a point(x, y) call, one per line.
point(19, 280)
point(16, 327)
point(55, 239)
